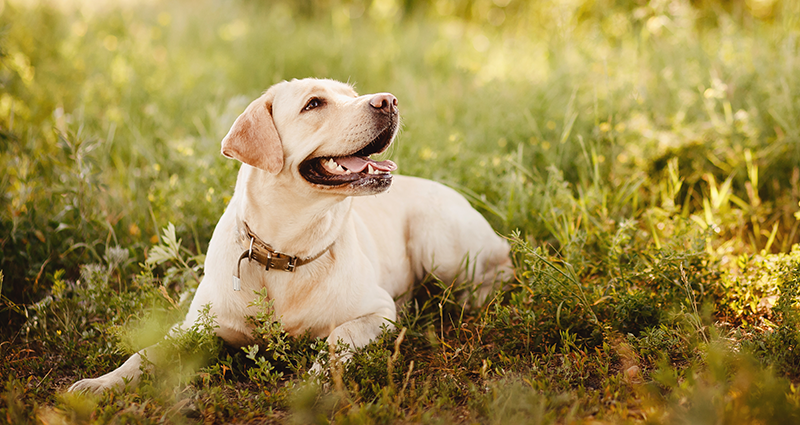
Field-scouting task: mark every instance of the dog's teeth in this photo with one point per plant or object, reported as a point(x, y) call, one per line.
point(348, 172)
point(330, 164)
point(339, 168)
point(370, 170)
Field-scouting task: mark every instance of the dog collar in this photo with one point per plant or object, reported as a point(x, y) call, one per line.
point(261, 252)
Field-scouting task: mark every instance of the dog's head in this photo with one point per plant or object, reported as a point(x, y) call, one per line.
point(320, 131)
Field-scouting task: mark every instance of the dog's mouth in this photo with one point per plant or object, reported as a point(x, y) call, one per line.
point(356, 168)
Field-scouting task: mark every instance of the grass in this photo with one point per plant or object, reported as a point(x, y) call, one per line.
point(642, 158)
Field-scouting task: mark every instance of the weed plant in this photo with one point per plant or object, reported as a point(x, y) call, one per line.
point(642, 158)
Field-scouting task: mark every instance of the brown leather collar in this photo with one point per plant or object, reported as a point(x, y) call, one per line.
point(268, 257)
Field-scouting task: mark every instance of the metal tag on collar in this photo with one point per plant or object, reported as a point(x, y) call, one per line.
point(237, 282)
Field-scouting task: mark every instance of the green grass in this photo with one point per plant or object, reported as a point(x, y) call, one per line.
point(642, 158)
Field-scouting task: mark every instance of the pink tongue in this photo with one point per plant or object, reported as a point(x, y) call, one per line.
point(357, 164)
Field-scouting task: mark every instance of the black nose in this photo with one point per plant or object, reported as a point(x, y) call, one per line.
point(385, 102)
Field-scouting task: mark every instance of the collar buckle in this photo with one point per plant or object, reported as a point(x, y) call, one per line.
point(291, 264)
point(274, 260)
point(268, 263)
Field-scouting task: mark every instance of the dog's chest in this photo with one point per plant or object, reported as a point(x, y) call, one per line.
point(314, 301)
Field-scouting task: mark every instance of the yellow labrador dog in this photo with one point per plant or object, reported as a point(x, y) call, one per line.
point(331, 234)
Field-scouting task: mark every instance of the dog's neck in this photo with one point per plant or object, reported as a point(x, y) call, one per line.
point(295, 221)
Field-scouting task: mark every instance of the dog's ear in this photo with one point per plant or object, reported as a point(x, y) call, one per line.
point(253, 138)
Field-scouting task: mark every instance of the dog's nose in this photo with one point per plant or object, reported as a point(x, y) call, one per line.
point(385, 102)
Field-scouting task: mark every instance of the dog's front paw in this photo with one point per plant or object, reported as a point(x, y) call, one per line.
point(97, 385)
point(319, 376)
point(316, 369)
point(128, 373)
point(110, 381)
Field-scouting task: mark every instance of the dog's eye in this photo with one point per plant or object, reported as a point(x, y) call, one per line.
point(314, 102)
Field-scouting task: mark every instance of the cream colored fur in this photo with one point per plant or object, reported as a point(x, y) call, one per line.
point(383, 243)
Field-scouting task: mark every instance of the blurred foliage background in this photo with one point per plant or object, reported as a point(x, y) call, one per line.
point(625, 137)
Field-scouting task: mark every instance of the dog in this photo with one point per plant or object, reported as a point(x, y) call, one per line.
point(333, 235)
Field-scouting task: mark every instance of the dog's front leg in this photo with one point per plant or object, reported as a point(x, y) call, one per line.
point(357, 333)
point(129, 371)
